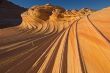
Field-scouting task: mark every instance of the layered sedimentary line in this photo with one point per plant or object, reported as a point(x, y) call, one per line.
point(50, 41)
point(58, 64)
point(97, 29)
point(61, 51)
point(82, 62)
point(15, 52)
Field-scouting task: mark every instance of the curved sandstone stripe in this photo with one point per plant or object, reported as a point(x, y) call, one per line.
point(76, 46)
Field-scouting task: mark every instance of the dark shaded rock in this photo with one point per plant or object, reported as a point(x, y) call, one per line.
point(9, 13)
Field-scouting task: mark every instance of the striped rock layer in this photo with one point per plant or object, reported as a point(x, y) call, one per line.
point(58, 44)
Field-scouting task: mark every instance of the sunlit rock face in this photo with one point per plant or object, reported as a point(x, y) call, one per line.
point(10, 14)
point(38, 14)
point(86, 11)
point(50, 13)
point(51, 39)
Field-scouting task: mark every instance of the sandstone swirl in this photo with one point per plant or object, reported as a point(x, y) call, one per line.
point(51, 39)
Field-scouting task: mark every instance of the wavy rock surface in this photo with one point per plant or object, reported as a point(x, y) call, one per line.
point(57, 42)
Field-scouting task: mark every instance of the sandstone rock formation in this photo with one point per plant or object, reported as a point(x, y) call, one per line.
point(36, 14)
point(51, 39)
point(50, 13)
